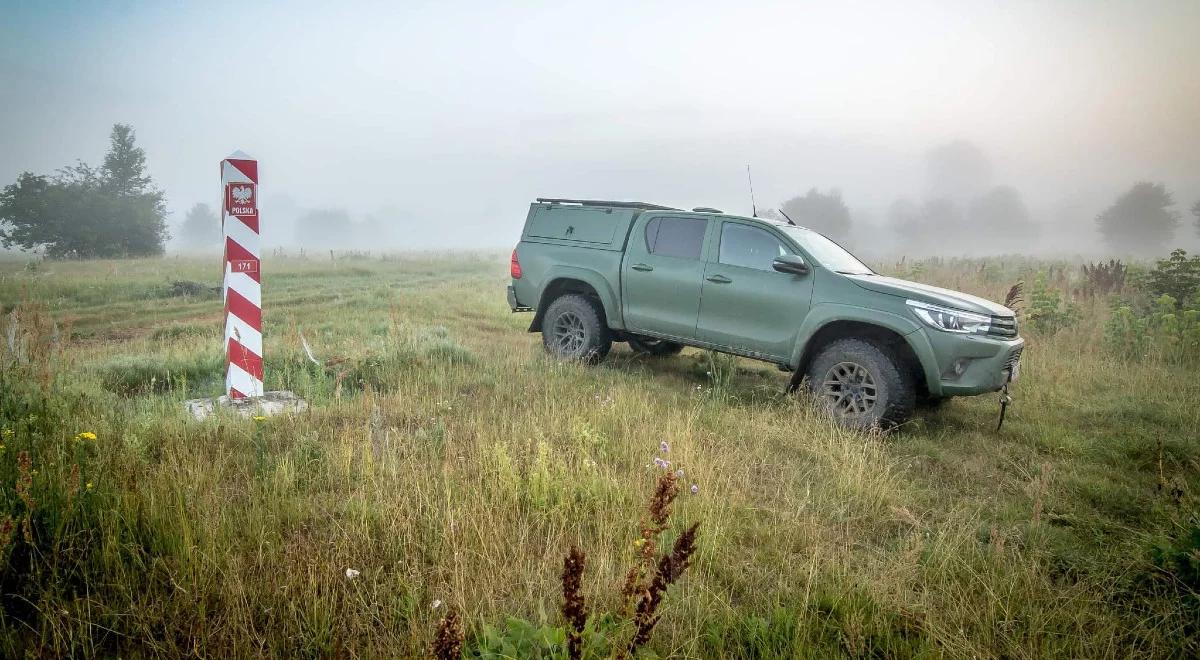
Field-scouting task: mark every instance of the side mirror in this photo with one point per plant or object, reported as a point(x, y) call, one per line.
point(790, 263)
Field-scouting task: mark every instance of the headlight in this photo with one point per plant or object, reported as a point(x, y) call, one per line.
point(950, 320)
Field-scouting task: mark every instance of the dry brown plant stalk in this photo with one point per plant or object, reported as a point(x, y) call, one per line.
point(447, 644)
point(574, 609)
point(653, 524)
point(670, 567)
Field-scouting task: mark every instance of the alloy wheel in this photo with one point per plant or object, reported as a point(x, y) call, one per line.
point(849, 389)
point(569, 334)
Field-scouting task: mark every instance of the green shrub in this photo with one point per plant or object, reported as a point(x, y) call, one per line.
point(1163, 332)
point(1177, 276)
point(1048, 313)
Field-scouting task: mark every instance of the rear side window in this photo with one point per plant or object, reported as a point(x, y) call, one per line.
point(676, 237)
point(749, 247)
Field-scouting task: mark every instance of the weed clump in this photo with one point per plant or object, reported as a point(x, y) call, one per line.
point(447, 644)
point(645, 584)
point(1048, 312)
point(574, 610)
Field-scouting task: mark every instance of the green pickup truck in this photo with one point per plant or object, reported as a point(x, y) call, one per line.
point(870, 347)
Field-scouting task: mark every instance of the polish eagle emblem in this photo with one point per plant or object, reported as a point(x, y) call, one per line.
point(242, 194)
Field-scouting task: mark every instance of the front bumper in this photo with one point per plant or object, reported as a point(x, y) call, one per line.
point(969, 365)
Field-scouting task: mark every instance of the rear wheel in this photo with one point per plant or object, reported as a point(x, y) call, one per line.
point(862, 384)
point(653, 347)
point(574, 329)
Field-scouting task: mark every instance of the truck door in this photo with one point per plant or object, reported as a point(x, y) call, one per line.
point(661, 276)
point(746, 305)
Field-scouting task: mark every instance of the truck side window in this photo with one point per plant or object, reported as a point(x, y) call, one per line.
point(676, 237)
point(749, 247)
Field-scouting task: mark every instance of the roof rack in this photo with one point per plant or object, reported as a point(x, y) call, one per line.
point(599, 202)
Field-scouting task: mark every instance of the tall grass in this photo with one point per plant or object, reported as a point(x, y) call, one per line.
point(445, 459)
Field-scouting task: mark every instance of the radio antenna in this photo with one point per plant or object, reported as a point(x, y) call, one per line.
point(753, 206)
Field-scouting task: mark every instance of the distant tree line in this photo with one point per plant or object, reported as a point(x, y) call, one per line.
point(962, 209)
point(82, 211)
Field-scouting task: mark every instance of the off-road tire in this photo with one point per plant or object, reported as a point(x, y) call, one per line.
point(574, 329)
point(653, 347)
point(838, 377)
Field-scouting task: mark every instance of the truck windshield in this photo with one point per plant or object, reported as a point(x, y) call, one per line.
point(829, 254)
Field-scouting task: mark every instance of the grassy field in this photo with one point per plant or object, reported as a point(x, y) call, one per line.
point(446, 459)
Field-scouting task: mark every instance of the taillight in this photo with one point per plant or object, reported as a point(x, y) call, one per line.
point(514, 267)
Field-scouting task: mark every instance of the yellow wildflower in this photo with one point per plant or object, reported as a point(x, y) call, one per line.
point(89, 485)
point(639, 543)
point(260, 418)
point(86, 435)
point(7, 434)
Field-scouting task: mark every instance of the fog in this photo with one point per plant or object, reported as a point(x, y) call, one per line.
point(432, 125)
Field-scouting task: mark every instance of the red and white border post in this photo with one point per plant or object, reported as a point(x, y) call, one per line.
point(242, 288)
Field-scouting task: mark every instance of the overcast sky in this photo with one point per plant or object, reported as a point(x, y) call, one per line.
point(447, 118)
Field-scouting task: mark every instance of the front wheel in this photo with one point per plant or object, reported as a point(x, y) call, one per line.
point(574, 329)
point(863, 385)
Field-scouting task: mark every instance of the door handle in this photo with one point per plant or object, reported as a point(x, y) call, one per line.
point(642, 267)
point(719, 279)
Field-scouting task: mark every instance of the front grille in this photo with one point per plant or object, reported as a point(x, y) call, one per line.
point(1003, 326)
point(1013, 358)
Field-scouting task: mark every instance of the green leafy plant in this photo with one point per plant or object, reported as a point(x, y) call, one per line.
point(1048, 312)
point(1164, 332)
point(1177, 276)
point(519, 638)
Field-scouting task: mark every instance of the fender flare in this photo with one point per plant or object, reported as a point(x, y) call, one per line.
point(822, 315)
point(598, 283)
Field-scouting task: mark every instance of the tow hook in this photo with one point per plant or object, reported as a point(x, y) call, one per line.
point(1005, 401)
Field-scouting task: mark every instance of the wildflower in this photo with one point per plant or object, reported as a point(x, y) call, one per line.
point(351, 573)
point(7, 434)
point(639, 543)
point(89, 485)
point(435, 604)
point(664, 447)
point(86, 435)
point(260, 418)
point(658, 462)
point(695, 489)
point(679, 473)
